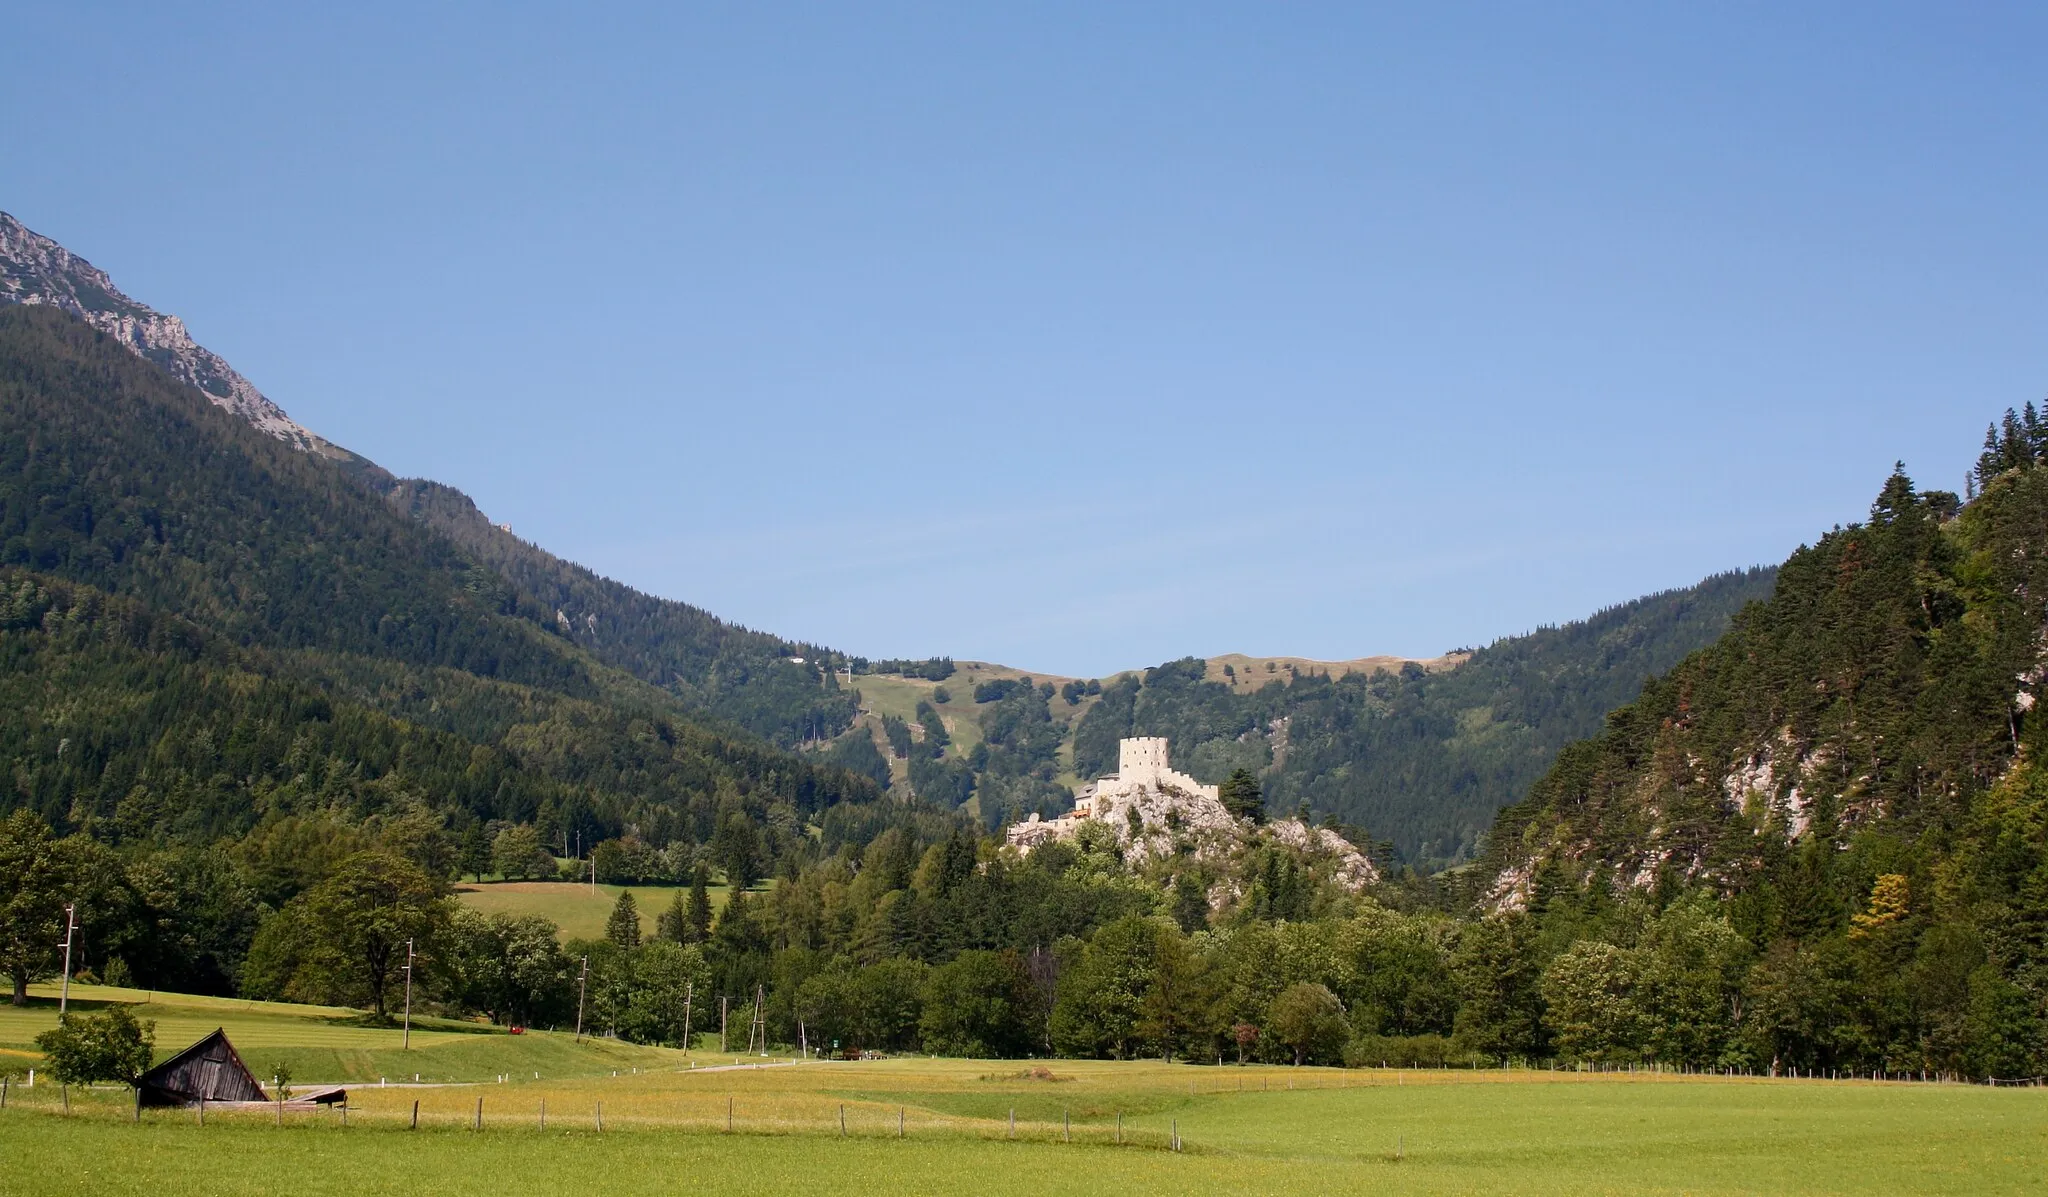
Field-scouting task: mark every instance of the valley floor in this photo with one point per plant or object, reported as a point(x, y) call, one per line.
point(944, 1126)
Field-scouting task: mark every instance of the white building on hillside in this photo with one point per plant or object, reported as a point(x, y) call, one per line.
point(1143, 772)
point(1141, 764)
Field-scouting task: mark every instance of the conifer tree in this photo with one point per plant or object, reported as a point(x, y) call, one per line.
point(475, 853)
point(673, 925)
point(623, 927)
point(1240, 795)
point(697, 922)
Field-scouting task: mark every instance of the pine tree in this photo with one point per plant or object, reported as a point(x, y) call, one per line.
point(697, 922)
point(673, 925)
point(475, 853)
point(623, 928)
point(1240, 796)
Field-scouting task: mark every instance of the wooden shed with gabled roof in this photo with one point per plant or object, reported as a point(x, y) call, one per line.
point(210, 1070)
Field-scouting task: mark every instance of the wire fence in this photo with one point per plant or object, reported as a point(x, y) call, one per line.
point(514, 1113)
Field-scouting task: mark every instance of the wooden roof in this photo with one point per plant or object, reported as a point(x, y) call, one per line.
point(209, 1070)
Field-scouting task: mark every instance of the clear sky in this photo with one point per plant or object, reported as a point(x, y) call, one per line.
point(1083, 337)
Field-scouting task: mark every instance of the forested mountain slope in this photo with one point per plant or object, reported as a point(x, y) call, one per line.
point(745, 676)
point(1421, 761)
point(1886, 686)
point(35, 270)
point(741, 676)
point(1421, 758)
point(208, 630)
point(1853, 774)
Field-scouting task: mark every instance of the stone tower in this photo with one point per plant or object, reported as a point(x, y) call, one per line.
point(1142, 759)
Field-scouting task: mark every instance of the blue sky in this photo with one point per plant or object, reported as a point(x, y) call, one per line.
point(1083, 337)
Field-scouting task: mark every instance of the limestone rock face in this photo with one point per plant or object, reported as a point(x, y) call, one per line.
point(1157, 814)
point(1354, 869)
point(35, 269)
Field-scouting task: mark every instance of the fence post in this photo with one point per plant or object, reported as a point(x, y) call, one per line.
point(3, 1092)
point(1013, 1122)
point(842, 1120)
point(1067, 1123)
point(479, 1123)
point(415, 1115)
point(1176, 1134)
point(1119, 1126)
point(600, 1117)
point(728, 1115)
point(202, 1109)
point(543, 1113)
point(899, 1122)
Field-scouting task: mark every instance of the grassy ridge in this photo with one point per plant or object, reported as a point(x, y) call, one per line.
point(1414, 1132)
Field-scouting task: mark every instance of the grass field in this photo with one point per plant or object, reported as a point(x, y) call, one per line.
point(321, 1044)
point(1258, 1130)
point(578, 911)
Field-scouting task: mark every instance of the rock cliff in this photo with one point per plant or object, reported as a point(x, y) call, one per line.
point(37, 270)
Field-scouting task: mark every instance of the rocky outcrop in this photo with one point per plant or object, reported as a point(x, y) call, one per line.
point(1153, 814)
point(37, 270)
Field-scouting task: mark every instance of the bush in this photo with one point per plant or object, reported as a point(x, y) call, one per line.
point(1398, 1051)
point(108, 1046)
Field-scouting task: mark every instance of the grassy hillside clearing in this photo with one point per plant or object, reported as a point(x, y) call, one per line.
point(1332, 1131)
point(1249, 673)
point(888, 694)
point(573, 906)
point(320, 1043)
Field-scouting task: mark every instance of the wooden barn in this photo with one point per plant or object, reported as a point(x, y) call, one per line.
point(212, 1071)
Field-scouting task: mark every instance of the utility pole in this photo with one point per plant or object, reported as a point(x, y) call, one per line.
point(70, 933)
point(408, 995)
point(723, 1047)
point(593, 874)
point(582, 984)
point(689, 991)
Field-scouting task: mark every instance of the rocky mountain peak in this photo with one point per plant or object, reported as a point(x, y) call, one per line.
point(35, 269)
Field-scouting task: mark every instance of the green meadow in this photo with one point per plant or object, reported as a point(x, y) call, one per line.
point(578, 908)
point(319, 1044)
point(611, 1119)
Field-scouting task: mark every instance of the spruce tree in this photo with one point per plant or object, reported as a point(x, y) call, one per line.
point(673, 925)
point(1240, 796)
point(475, 852)
point(623, 928)
point(697, 922)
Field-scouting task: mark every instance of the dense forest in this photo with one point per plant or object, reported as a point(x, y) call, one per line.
point(1850, 779)
point(782, 691)
point(257, 719)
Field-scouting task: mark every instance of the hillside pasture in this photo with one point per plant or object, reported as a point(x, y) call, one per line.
point(578, 909)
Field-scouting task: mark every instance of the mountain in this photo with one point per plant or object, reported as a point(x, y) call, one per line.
point(1850, 781)
point(743, 677)
point(1421, 757)
point(37, 270)
point(781, 690)
point(1883, 690)
point(1419, 753)
point(211, 629)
